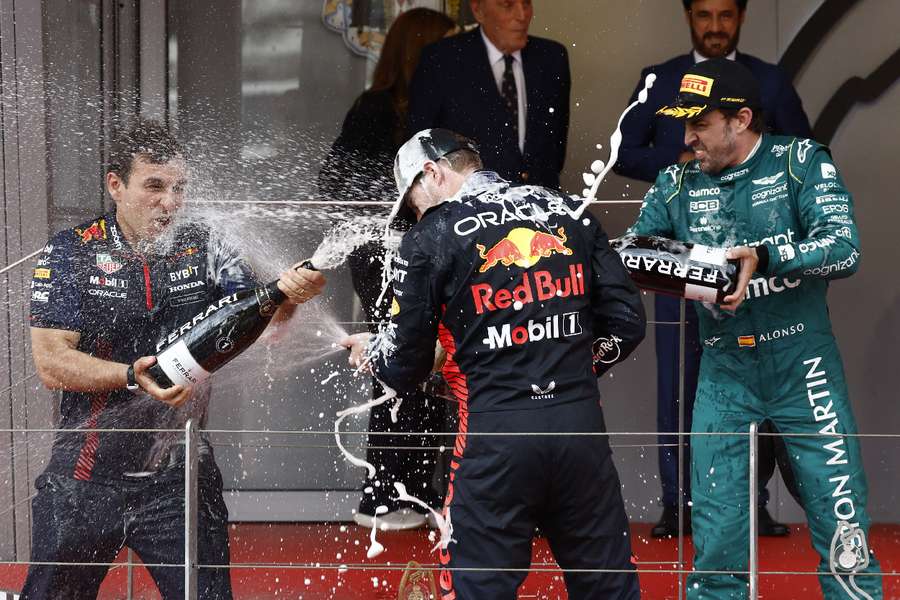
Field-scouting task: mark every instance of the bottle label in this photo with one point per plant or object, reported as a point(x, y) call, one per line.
point(179, 365)
point(700, 292)
point(705, 254)
point(197, 319)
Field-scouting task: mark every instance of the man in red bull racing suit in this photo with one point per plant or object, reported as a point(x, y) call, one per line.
point(518, 292)
point(782, 201)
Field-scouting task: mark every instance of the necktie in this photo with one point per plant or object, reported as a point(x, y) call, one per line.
point(510, 94)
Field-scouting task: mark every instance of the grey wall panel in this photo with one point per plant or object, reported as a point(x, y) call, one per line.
point(153, 67)
point(7, 193)
point(24, 202)
point(275, 86)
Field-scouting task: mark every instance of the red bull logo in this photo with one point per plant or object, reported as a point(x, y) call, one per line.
point(96, 231)
point(536, 285)
point(523, 247)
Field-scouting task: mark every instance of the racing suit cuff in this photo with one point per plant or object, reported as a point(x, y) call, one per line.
point(762, 252)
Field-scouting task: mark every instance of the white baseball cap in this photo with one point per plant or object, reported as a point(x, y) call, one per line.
point(429, 145)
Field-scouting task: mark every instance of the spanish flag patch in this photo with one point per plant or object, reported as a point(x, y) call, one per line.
point(747, 341)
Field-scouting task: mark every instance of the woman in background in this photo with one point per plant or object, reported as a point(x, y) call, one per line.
point(360, 167)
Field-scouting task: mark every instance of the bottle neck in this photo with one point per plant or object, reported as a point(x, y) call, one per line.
point(269, 297)
point(272, 292)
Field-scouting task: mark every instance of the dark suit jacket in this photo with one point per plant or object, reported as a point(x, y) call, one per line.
point(454, 87)
point(651, 142)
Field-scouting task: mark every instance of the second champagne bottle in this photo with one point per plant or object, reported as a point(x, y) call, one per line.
point(683, 269)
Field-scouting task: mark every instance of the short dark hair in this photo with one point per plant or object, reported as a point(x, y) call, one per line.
point(147, 139)
point(741, 4)
point(757, 123)
point(463, 159)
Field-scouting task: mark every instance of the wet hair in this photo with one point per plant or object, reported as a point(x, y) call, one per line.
point(409, 34)
point(462, 160)
point(741, 4)
point(459, 161)
point(757, 122)
point(146, 139)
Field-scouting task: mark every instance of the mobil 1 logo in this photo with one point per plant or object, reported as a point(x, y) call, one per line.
point(536, 330)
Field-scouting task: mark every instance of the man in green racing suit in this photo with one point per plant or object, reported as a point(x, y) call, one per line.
point(770, 352)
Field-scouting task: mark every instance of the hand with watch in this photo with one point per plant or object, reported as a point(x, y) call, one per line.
point(137, 379)
point(131, 383)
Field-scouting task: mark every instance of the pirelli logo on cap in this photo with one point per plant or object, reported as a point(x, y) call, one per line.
point(41, 273)
point(696, 84)
point(747, 341)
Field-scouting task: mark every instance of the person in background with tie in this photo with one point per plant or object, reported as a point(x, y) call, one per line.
point(505, 89)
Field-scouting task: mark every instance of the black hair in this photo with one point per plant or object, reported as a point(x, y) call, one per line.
point(147, 139)
point(741, 4)
point(757, 123)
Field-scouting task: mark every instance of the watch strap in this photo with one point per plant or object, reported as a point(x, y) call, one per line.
point(131, 381)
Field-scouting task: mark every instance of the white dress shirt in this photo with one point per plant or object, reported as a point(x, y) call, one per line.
point(495, 58)
point(699, 58)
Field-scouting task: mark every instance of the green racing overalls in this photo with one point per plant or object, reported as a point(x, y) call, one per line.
point(775, 357)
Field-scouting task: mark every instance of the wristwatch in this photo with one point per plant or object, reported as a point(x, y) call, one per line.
point(131, 382)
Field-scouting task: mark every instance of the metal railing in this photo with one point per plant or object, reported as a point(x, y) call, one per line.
point(191, 566)
point(191, 472)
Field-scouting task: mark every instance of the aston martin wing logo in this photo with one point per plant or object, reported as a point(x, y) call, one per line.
point(769, 180)
point(681, 112)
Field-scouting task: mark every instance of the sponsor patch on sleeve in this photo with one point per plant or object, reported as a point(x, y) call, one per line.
point(786, 252)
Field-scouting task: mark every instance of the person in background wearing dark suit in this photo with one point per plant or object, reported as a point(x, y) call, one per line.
point(651, 143)
point(501, 87)
point(360, 167)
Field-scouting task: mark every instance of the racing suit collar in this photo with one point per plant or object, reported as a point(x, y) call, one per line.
point(479, 180)
point(116, 236)
point(743, 169)
point(474, 184)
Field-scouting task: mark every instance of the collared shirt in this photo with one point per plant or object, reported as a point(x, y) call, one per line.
point(124, 304)
point(699, 58)
point(495, 58)
point(753, 151)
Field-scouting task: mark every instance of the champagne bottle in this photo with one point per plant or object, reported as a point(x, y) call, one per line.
point(215, 336)
point(682, 269)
